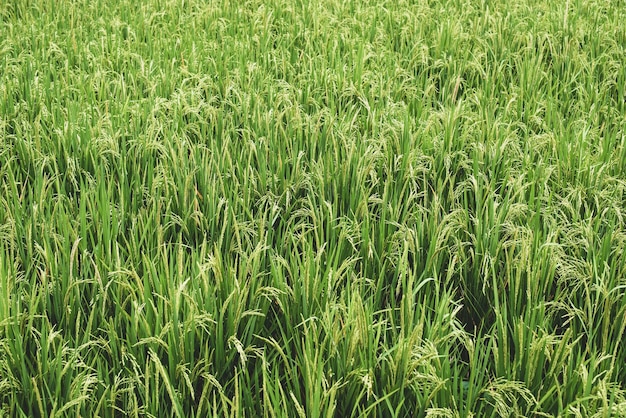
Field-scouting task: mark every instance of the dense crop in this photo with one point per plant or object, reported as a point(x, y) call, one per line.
point(312, 208)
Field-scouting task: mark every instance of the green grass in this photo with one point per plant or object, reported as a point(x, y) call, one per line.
point(312, 208)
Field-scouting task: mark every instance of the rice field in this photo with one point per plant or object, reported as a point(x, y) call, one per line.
point(312, 208)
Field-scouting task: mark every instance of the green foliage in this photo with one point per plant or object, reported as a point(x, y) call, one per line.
point(312, 208)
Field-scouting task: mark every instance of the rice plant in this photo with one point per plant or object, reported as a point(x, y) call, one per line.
point(312, 208)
